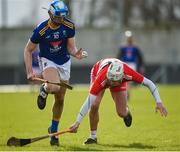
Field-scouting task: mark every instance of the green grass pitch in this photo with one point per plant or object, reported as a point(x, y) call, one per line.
point(20, 117)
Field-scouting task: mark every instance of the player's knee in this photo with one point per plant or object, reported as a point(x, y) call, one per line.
point(122, 114)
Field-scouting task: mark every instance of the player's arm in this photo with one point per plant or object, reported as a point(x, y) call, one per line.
point(83, 111)
point(138, 78)
point(71, 45)
point(29, 48)
point(152, 87)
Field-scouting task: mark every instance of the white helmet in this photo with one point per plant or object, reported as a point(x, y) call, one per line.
point(115, 71)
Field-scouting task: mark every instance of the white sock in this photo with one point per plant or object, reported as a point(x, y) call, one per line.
point(93, 134)
point(45, 87)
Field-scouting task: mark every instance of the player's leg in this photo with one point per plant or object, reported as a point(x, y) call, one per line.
point(58, 104)
point(57, 112)
point(119, 95)
point(94, 119)
point(50, 74)
point(64, 75)
point(129, 89)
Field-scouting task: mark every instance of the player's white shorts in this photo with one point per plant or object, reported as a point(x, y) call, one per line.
point(37, 70)
point(64, 69)
point(132, 65)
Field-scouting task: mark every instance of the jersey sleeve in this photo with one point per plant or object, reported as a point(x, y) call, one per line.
point(35, 37)
point(96, 87)
point(99, 83)
point(94, 72)
point(71, 32)
point(136, 77)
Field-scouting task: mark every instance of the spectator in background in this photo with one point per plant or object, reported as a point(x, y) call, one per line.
point(132, 55)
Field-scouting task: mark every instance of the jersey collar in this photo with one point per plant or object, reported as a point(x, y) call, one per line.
point(52, 26)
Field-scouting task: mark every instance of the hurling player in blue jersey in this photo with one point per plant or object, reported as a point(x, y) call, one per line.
point(56, 40)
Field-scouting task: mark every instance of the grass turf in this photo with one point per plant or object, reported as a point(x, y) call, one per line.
point(20, 117)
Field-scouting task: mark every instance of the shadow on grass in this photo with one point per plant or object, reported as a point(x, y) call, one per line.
point(96, 147)
point(108, 147)
point(3, 145)
point(132, 145)
point(76, 148)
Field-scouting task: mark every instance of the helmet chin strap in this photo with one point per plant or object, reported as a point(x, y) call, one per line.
point(55, 23)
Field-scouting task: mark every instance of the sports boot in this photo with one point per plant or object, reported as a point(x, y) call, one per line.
point(41, 100)
point(54, 140)
point(90, 141)
point(128, 119)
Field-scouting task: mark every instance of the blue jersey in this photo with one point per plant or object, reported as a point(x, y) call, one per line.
point(129, 54)
point(53, 43)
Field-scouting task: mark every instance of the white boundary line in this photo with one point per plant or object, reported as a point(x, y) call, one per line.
point(14, 88)
point(33, 88)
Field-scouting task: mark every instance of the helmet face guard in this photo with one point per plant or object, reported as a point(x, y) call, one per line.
point(57, 11)
point(115, 71)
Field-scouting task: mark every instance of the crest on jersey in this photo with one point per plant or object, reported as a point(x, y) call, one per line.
point(64, 33)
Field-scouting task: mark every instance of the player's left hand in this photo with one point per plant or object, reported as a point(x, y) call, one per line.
point(74, 127)
point(161, 109)
point(80, 54)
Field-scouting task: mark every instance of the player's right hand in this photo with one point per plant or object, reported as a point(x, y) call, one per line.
point(74, 127)
point(31, 76)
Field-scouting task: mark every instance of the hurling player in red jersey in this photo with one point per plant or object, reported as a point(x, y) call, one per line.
point(113, 74)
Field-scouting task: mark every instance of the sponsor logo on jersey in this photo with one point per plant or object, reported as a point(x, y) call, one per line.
point(56, 46)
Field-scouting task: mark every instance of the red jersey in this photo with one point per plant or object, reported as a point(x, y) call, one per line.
point(99, 79)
